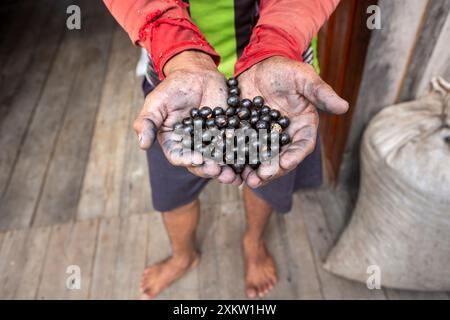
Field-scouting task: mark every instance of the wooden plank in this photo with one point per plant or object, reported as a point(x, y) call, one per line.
point(35, 253)
point(393, 294)
point(11, 262)
point(206, 243)
point(301, 258)
point(386, 65)
point(229, 250)
point(103, 274)
point(61, 191)
point(53, 280)
point(131, 257)
point(21, 104)
point(321, 240)
point(438, 63)
point(101, 191)
point(15, 68)
point(21, 195)
point(434, 20)
point(277, 245)
point(81, 253)
point(70, 244)
point(136, 197)
point(13, 17)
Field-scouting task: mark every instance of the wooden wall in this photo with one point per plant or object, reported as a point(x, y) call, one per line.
point(411, 48)
point(343, 43)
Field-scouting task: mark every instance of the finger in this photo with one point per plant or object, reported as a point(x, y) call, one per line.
point(149, 120)
point(208, 170)
point(317, 91)
point(177, 155)
point(304, 138)
point(227, 176)
point(253, 180)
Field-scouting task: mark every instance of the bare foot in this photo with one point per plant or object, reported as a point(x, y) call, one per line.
point(260, 270)
point(159, 276)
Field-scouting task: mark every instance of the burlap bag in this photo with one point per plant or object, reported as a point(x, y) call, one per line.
point(401, 221)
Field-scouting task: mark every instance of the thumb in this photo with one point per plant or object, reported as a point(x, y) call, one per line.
point(318, 92)
point(148, 123)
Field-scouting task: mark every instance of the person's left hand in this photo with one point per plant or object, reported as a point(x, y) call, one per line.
point(295, 90)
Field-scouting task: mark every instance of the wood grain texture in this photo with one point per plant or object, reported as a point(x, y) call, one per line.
point(103, 274)
point(393, 294)
point(102, 185)
point(439, 62)
point(53, 280)
point(22, 194)
point(435, 17)
point(70, 244)
point(61, 189)
point(12, 259)
point(301, 263)
point(343, 43)
point(387, 61)
point(18, 107)
point(20, 55)
point(35, 254)
point(13, 17)
point(321, 239)
point(131, 257)
point(135, 194)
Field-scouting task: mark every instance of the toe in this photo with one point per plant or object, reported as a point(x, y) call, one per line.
point(251, 293)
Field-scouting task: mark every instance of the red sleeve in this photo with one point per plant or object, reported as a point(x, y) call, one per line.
point(285, 28)
point(163, 27)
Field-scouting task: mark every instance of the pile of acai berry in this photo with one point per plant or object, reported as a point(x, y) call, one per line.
point(248, 132)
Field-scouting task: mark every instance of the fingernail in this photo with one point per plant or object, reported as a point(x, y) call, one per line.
point(140, 138)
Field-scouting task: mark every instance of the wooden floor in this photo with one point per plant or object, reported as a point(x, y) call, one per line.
point(74, 185)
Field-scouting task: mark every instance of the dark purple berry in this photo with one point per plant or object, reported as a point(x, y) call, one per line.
point(275, 149)
point(199, 123)
point(188, 121)
point(275, 126)
point(188, 129)
point(233, 101)
point(261, 124)
point(274, 114)
point(232, 82)
point(194, 112)
point(265, 117)
point(178, 127)
point(234, 91)
point(245, 125)
point(246, 103)
point(243, 113)
point(230, 111)
point(255, 113)
point(238, 168)
point(218, 111)
point(233, 122)
point(258, 101)
point(254, 120)
point(284, 139)
point(210, 123)
point(205, 112)
point(207, 136)
point(265, 110)
point(284, 122)
point(221, 121)
point(187, 143)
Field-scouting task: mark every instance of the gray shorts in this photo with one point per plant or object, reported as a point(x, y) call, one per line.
point(174, 186)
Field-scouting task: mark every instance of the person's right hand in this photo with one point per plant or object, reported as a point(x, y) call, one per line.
point(192, 80)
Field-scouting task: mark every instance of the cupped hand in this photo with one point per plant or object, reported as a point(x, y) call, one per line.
point(295, 90)
point(192, 81)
